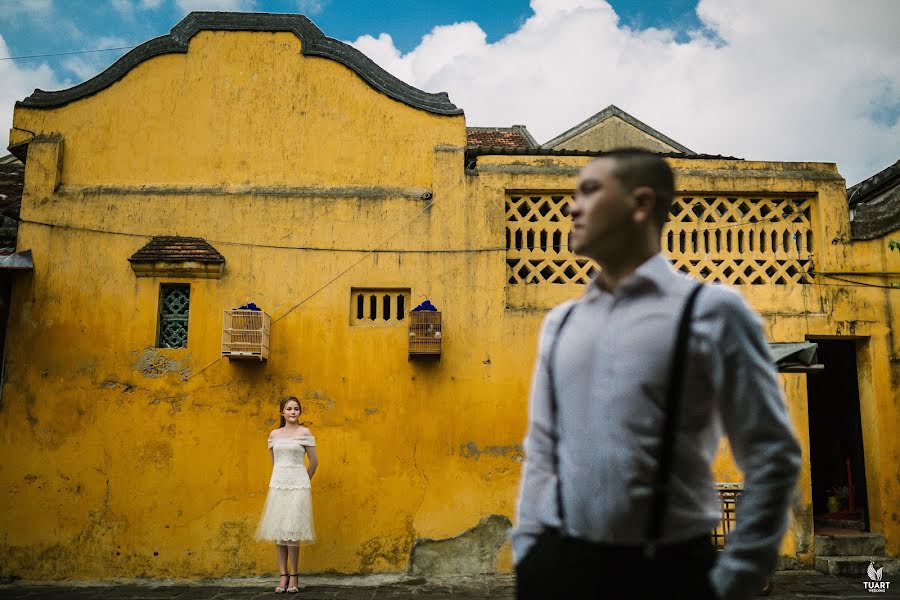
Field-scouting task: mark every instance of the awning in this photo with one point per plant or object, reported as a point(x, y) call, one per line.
point(20, 261)
point(795, 357)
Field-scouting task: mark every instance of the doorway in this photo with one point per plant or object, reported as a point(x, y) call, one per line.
point(837, 460)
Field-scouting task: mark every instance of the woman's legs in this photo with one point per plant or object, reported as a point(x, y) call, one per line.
point(282, 565)
point(293, 556)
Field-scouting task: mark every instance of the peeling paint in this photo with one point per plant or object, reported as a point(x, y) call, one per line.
point(471, 450)
point(111, 383)
point(153, 364)
point(472, 553)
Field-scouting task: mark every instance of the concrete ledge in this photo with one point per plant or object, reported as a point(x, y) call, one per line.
point(862, 544)
point(856, 565)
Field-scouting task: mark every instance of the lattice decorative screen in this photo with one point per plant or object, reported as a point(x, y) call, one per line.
point(735, 239)
point(174, 309)
point(537, 238)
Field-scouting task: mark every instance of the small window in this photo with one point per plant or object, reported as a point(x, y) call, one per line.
point(174, 305)
point(378, 306)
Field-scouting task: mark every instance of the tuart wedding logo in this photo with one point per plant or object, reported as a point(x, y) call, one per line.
point(876, 585)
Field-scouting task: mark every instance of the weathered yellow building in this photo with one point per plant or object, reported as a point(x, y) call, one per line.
point(249, 158)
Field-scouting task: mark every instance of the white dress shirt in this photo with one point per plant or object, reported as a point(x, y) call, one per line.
point(611, 370)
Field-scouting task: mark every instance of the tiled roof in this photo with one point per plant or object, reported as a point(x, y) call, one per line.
point(177, 249)
point(516, 136)
point(12, 181)
point(495, 151)
point(312, 43)
point(875, 204)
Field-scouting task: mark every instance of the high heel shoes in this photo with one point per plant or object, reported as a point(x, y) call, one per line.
point(279, 589)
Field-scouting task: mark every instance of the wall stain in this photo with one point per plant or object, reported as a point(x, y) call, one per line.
point(387, 552)
point(174, 402)
point(233, 542)
point(30, 401)
point(471, 450)
point(803, 536)
point(318, 399)
point(156, 453)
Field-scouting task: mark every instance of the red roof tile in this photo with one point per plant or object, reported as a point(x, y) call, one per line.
point(177, 249)
point(516, 136)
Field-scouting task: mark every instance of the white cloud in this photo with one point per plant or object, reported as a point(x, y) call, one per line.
point(19, 81)
point(81, 68)
point(123, 7)
point(127, 8)
point(441, 48)
point(311, 7)
point(85, 66)
point(224, 5)
point(34, 9)
point(807, 80)
point(110, 41)
point(35, 15)
point(810, 80)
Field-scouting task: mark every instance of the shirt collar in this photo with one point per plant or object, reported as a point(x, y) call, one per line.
point(653, 272)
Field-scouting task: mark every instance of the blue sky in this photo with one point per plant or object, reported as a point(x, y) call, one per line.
point(407, 21)
point(805, 80)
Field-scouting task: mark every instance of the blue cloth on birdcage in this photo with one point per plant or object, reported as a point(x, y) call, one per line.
point(427, 305)
point(248, 306)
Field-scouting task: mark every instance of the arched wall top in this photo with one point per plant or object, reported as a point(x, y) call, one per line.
point(313, 43)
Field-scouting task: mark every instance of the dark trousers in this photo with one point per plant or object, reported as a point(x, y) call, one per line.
point(562, 568)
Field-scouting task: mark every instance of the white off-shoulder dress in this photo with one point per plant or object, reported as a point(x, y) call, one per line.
point(287, 517)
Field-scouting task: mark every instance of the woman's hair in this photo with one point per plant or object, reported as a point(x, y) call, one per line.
point(284, 402)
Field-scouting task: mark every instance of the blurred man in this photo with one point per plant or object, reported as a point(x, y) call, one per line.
point(605, 502)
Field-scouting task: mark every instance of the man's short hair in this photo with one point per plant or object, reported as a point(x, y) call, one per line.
point(635, 167)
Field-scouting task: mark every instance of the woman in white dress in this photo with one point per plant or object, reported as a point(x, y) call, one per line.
point(287, 516)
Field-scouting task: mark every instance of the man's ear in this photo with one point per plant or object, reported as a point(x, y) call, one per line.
point(645, 203)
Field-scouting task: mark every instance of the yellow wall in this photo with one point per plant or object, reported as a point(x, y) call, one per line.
point(124, 460)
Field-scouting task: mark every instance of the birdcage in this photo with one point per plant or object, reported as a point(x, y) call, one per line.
point(245, 334)
point(425, 334)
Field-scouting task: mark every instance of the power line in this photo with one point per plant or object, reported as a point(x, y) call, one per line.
point(333, 279)
point(282, 247)
point(66, 53)
point(364, 257)
point(850, 282)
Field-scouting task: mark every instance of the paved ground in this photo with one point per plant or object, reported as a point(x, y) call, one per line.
point(789, 585)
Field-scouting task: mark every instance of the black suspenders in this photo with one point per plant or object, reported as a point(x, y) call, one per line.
point(670, 425)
